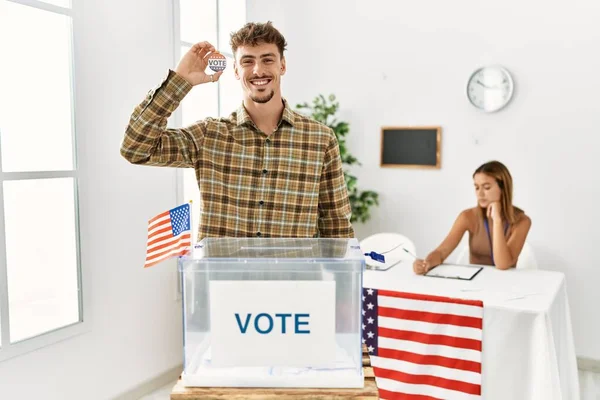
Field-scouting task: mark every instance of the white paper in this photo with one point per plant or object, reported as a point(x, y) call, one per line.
point(240, 312)
point(454, 271)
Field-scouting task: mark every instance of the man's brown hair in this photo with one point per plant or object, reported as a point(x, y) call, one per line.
point(255, 33)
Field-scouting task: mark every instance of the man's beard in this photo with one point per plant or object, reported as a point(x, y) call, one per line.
point(263, 99)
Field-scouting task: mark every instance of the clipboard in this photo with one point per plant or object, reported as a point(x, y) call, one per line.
point(454, 271)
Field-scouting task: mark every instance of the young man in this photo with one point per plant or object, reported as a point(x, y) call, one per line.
point(264, 171)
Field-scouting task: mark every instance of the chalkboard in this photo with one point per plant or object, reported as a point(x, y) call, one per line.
point(417, 147)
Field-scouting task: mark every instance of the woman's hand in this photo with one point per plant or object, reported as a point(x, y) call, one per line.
point(421, 267)
point(494, 212)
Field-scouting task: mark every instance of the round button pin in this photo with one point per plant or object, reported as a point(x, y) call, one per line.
point(217, 62)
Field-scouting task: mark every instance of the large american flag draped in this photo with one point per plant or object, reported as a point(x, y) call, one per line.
point(423, 347)
point(169, 235)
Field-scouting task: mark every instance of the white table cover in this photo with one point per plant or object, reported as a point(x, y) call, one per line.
point(528, 349)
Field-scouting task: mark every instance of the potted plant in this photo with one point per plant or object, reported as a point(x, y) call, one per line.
point(323, 110)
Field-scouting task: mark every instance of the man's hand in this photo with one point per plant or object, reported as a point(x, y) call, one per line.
point(194, 62)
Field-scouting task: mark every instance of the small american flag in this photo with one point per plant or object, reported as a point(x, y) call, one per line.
point(169, 235)
point(423, 347)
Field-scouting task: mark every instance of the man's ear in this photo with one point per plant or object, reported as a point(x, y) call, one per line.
point(235, 71)
point(283, 66)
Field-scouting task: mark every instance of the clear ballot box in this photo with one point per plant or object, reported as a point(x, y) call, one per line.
point(260, 312)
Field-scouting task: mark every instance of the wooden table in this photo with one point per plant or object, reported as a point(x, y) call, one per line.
point(368, 392)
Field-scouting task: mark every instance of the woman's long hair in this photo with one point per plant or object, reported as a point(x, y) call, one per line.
point(500, 173)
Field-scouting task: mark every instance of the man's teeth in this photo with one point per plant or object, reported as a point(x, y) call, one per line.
point(260, 83)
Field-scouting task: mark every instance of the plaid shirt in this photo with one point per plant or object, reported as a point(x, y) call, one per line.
point(287, 184)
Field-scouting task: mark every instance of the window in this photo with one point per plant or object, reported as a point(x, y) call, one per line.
point(39, 243)
point(212, 21)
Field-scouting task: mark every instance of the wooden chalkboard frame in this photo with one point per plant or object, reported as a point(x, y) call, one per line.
point(413, 128)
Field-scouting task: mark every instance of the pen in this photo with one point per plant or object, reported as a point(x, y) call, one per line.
point(410, 253)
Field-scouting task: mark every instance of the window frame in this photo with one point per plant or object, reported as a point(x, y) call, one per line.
point(177, 120)
point(10, 350)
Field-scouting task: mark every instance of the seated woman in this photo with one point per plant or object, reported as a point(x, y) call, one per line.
point(497, 229)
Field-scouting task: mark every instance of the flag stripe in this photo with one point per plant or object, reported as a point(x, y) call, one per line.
point(429, 349)
point(423, 390)
point(177, 242)
point(464, 365)
point(387, 395)
point(159, 216)
point(431, 339)
point(173, 242)
point(414, 365)
point(429, 306)
point(164, 221)
point(429, 328)
point(158, 231)
point(163, 255)
point(180, 253)
point(427, 297)
point(431, 317)
point(166, 255)
point(166, 243)
point(429, 380)
point(159, 225)
point(158, 238)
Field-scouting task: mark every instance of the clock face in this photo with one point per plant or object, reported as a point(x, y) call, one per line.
point(490, 88)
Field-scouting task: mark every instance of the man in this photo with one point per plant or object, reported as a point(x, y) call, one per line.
point(264, 171)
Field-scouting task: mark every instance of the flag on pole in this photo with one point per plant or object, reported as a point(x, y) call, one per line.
point(169, 235)
point(423, 347)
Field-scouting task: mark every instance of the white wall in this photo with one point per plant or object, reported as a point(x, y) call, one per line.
point(407, 63)
point(122, 49)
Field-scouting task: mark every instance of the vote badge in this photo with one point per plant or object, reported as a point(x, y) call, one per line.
point(217, 62)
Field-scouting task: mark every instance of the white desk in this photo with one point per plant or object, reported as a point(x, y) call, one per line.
point(528, 350)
